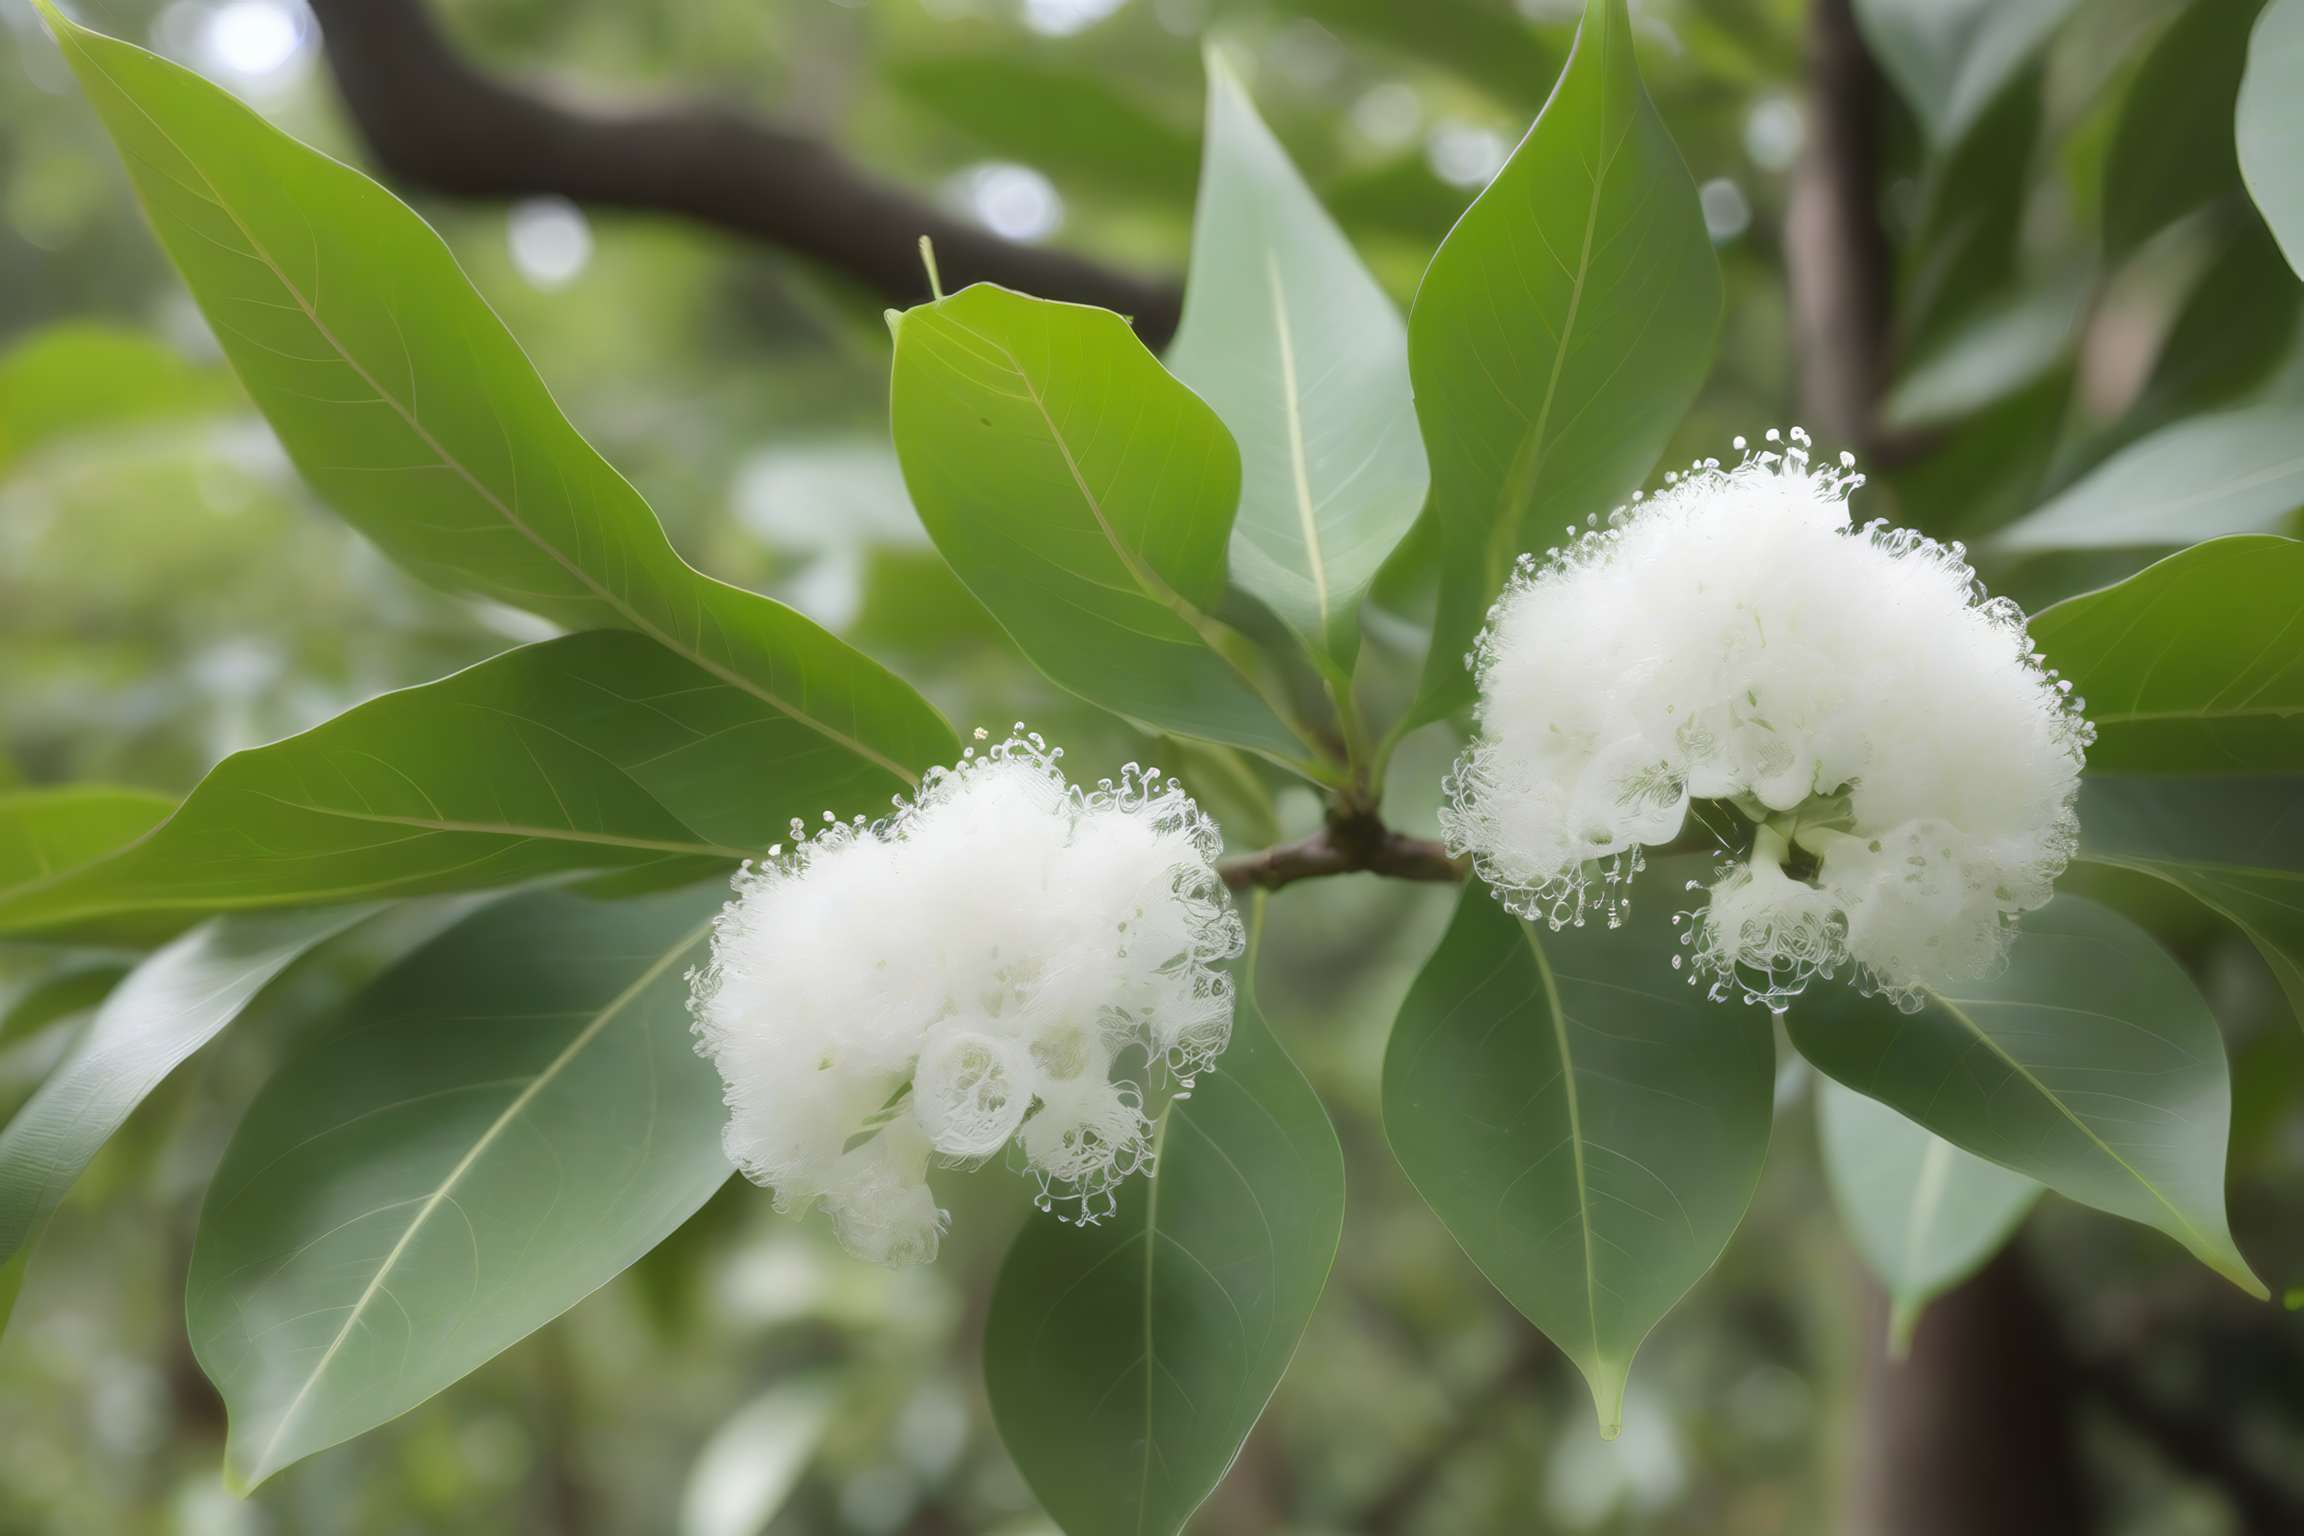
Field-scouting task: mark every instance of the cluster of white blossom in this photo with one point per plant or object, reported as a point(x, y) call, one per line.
point(1007, 962)
point(1905, 764)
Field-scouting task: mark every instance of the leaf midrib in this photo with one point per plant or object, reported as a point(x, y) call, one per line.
point(1520, 488)
point(1300, 471)
point(516, 829)
point(1213, 632)
point(455, 465)
point(511, 1112)
point(1559, 1018)
point(2199, 1243)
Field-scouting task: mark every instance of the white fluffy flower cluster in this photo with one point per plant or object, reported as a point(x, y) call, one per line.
point(1906, 766)
point(1008, 961)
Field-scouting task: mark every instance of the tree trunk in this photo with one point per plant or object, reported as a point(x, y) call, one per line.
point(1971, 1436)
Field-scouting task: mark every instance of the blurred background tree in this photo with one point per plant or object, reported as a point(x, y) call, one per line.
point(1992, 247)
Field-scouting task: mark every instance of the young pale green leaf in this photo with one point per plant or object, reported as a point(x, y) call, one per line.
point(2235, 844)
point(46, 834)
point(2236, 470)
point(1086, 497)
point(2194, 664)
point(1559, 334)
point(1950, 58)
point(593, 751)
point(2269, 123)
point(1127, 1361)
point(1287, 335)
point(409, 407)
point(172, 1004)
point(2172, 149)
point(504, 1122)
point(2090, 1065)
point(1589, 1128)
point(1924, 1214)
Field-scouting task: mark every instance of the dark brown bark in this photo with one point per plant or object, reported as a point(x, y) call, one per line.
point(1835, 250)
point(1973, 1434)
point(436, 122)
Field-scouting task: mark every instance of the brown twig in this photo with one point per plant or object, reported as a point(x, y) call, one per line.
point(433, 120)
point(1354, 843)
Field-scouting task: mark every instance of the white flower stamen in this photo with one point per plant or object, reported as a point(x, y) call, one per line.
point(1007, 961)
point(1906, 766)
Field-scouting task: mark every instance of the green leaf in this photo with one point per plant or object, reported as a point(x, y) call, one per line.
point(12, 1286)
point(2238, 470)
point(593, 751)
point(2090, 1065)
point(1963, 251)
point(46, 834)
point(411, 410)
point(1086, 497)
point(2237, 324)
point(2233, 844)
point(1995, 352)
point(754, 1462)
point(1985, 470)
point(2193, 665)
point(1950, 58)
point(1127, 1361)
point(1287, 335)
point(502, 1124)
point(1559, 334)
point(2269, 123)
point(78, 377)
point(69, 993)
point(1588, 1126)
point(1925, 1215)
point(2172, 151)
point(172, 1004)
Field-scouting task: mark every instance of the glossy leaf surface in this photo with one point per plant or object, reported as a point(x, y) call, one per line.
point(1128, 1361)
point(1560, 332)
point(167, 1008)
point(2090, 1065)
point(1086, 497)
point(2193, 665)
point(1288, 337)
point(1587, 1125)
point(411, 410)
point(594, 751)
point(503, 1123)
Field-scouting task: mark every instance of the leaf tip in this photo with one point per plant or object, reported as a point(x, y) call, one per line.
point(1607, 1382)
point(1903, 1317)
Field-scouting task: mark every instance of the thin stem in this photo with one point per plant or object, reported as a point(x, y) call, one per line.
point(1351, 843)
